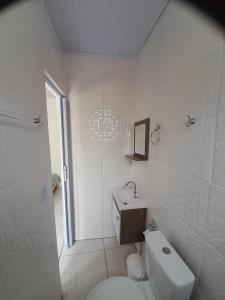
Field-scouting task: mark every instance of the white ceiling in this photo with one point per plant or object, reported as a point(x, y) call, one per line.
point(110, 27)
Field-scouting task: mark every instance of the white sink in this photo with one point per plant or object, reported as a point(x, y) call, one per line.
point(125, 199)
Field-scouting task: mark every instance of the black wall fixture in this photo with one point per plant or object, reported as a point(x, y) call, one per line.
point(5, 3)
point(214, 9)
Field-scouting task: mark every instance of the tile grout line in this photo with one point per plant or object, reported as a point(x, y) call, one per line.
point(107, 272)
point(83, 252)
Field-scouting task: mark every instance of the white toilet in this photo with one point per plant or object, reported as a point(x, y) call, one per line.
point(169, 278)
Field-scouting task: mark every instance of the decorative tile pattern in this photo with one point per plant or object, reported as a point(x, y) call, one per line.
point(104, 124)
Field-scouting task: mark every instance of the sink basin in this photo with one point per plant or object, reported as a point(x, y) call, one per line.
point(125, 199)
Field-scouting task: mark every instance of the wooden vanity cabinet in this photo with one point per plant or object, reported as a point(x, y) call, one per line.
point(128, 224)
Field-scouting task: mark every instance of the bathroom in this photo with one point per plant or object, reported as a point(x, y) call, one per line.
point(173, 74)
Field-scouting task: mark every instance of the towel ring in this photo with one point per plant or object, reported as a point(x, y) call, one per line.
point(155, 135)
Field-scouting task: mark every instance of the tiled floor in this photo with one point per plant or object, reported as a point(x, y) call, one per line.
point(58, 208)
point(89, 262)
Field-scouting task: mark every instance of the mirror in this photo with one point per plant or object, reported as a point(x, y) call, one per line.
point(141, 139)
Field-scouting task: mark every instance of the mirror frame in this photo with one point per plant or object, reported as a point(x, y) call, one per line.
point(145, 122)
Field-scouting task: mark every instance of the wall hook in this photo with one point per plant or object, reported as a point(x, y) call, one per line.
point(155, 135)
point(37, 120)
point(191, 121)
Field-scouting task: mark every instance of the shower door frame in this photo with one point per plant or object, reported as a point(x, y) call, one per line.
point(66, 173)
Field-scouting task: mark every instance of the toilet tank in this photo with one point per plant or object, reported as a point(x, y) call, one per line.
point(168, 274)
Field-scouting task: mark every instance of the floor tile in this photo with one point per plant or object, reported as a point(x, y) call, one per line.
point(84, 246)
point(110, 243)
point(80, 273)
point(116, 260)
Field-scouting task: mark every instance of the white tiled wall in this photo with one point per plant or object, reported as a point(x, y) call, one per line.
point(179, 73)
point(98, 164)
point(28, 251)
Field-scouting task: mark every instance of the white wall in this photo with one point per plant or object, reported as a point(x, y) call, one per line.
point(179, 73)
point(28, 251)
point(54, 134)
point(98, 162)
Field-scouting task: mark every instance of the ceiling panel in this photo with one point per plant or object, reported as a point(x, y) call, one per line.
point(110, 27)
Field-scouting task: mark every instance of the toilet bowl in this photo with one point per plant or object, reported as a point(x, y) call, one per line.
point(117, 288)
point(169, 278)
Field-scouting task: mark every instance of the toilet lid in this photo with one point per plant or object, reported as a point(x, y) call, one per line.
point(116, 288)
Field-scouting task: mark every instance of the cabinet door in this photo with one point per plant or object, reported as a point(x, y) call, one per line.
point(116, 221)
point(133, 223)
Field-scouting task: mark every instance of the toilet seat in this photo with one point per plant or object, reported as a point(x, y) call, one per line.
point(117, 288)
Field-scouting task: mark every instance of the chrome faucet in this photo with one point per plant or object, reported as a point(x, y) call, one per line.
point(134, 186)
